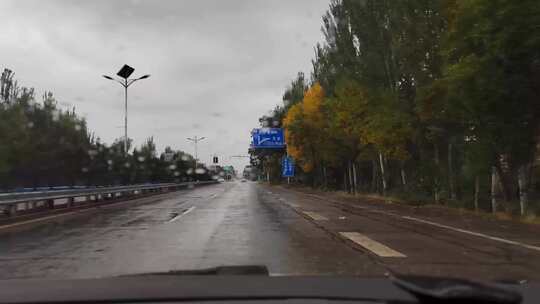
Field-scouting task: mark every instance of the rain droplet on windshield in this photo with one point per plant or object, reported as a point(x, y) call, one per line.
point(185, 157)
point(189, 171)
point(215, 177)
point(30, 124)
point(84, 169)
point(78, 127)
point(110, 162)
point(127, 165)
point(172, 167)
point(140, 158)
point(176, 173)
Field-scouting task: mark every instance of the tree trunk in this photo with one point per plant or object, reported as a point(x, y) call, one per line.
point(374, 176)
point(351, 184)
point(437, 182)
point(494, 189)
point(476, 191)
point(505, 181)
point(403, 178)
point(355, 182)
point(325, 178)
point(345, 186)
point(349, 178)
point(383, 177)
point(523, 182)
point(451, 180)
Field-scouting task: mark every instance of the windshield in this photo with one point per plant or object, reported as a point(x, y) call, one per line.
point(328, 137)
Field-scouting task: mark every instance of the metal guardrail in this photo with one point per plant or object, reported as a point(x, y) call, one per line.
point(10, 202)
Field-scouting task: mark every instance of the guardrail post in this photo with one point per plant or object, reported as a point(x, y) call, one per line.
point(12, 210)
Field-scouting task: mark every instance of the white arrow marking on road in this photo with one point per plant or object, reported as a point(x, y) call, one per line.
point(183, 213)
point(373, 246)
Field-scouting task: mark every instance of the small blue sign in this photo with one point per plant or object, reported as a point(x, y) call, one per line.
point(288, 167)
point(267, 138)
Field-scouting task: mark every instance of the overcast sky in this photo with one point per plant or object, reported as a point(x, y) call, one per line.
point(216, 66)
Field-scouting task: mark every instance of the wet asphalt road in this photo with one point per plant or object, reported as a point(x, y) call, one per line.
point(291, 232)
point(231, 223)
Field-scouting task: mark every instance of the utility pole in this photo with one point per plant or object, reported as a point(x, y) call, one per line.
point(124, 73)
point(195, 140)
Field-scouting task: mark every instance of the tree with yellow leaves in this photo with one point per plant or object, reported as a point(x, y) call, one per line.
point(305, 126)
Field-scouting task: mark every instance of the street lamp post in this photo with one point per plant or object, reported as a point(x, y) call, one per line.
point(124, 73)
point(195, 140)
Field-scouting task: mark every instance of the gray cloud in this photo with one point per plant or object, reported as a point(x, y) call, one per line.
point(216, 65)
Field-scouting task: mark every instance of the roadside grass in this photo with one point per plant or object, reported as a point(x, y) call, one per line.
point(508, 211)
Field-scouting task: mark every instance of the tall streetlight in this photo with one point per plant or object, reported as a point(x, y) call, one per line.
point(124, 73)
point(196, 140)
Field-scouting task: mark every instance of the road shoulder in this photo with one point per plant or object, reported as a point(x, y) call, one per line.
point(408, 240)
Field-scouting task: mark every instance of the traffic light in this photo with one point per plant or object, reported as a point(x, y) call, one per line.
point(215, 160)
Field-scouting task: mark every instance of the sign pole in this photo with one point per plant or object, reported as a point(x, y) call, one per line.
point(288, 177)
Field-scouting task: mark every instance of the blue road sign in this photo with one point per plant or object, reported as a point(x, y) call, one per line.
point(288, 167)
point(267, 138)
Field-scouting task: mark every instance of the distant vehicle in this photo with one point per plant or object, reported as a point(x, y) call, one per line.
point(250, 173)
point(221, 180)
point(243, 180)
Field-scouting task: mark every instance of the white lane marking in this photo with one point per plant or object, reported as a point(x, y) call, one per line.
point(183, 213)
point(373, 246)
point(477, 234)
point(315, 216)
point(38, 219)
point(489, 237)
